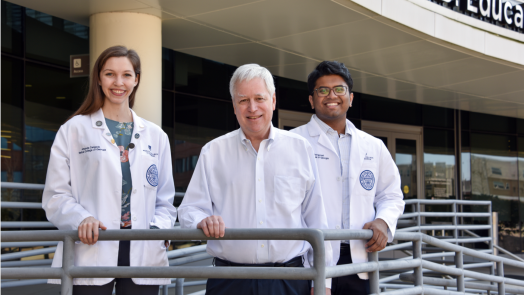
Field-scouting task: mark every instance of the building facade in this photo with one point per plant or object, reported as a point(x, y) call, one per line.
point(443, 150)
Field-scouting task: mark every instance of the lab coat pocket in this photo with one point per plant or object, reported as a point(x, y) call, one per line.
point(289, 191)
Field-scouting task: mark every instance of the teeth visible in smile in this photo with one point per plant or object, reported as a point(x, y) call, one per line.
point(252, 117)
point(332, 104)
point(118, 91)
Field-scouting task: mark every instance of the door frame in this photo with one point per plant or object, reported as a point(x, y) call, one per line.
point(391, 132)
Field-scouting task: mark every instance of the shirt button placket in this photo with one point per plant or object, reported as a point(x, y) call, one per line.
point(262, 251)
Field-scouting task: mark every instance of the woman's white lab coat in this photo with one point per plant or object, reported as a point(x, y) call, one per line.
point(84, 178)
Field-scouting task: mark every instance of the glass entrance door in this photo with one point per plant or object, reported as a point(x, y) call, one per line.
point(405, 146)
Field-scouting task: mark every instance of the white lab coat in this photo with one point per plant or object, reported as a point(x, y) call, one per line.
point(381, 198)
point(84, 178)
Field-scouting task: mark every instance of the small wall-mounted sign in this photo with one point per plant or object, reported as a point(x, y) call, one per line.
point(79, 65)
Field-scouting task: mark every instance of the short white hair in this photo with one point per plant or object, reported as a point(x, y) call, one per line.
point(249, 72)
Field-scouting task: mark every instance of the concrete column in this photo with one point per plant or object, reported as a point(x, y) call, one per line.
point(143, 33)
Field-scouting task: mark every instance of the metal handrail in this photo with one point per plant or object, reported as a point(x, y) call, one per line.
point(38, 186)
point(318, 272)
point(408, 219)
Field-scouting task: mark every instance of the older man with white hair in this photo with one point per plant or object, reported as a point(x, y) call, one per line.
point(255, 177)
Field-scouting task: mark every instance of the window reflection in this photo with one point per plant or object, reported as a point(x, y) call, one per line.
point(439, 164)
point(11, 28)
point(406, 160)
point(197, 121)
point(495, 177)
point(52, 39)
point(51, 97)
point(12, 132)
point(520, 234)
point(201, 76)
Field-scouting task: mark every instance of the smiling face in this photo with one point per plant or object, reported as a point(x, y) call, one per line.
point(254, 107)
point(331, 107)
point(118, 80)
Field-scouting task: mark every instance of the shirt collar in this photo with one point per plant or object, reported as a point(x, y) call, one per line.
point(271, 138)
point(326, 128)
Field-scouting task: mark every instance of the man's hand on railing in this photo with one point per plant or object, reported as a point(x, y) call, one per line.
point(88, 230)
point(213, 226)
point(380, 235)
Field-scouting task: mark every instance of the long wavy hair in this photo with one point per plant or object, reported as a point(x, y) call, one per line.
point(95, 97)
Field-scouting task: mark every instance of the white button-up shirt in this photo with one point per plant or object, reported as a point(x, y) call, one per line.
point(275, 187)
point(342, 144)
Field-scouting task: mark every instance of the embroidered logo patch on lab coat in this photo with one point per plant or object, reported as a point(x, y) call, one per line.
point(152, 175)
point(367, 180)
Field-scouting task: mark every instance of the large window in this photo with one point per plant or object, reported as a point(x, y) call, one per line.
point(492, 170)
point(37, 96)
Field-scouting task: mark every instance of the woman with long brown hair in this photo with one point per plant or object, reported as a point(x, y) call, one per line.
point(111, 169)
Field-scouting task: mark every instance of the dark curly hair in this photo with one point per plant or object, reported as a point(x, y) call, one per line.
point(329, 68)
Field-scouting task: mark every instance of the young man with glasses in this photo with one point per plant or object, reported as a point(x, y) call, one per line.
point(359, 180)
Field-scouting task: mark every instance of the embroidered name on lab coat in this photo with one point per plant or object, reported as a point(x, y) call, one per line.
point(91, 149)
point(149, 152)
point(322, 157)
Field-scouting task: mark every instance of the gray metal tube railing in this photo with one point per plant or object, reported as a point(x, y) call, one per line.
point(21, 205)
point(19, 185)
point(69, 271)
point(314, 237)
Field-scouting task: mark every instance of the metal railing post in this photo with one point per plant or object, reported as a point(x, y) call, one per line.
point(495, 231)
point(68, 262)
point(500, 273)
point(417, 254)
point(459, 264)
point(455, 231)
point(418, 216)
point(165, 290)
point(374, 286)
point(179, 288)
point(319, 262)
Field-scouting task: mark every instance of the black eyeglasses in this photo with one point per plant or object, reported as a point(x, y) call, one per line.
point(337, 90)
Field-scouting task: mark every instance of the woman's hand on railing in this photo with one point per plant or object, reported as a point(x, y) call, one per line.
point(213, 226)
point(88, 230)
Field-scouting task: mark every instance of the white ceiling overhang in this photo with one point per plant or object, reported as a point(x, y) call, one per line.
point(410, 50)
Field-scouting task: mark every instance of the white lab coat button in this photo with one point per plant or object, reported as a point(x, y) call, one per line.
point(134, 191)
point(134, 218)
point(261, 222)
point(338, 227)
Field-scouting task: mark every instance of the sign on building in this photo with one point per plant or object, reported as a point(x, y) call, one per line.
point(79, 65)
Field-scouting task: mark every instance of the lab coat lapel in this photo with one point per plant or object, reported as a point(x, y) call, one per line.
point(358, 148)
point(98, 116)
point(323, 140)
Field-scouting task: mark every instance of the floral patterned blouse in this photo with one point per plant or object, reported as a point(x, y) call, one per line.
point(122, 135)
